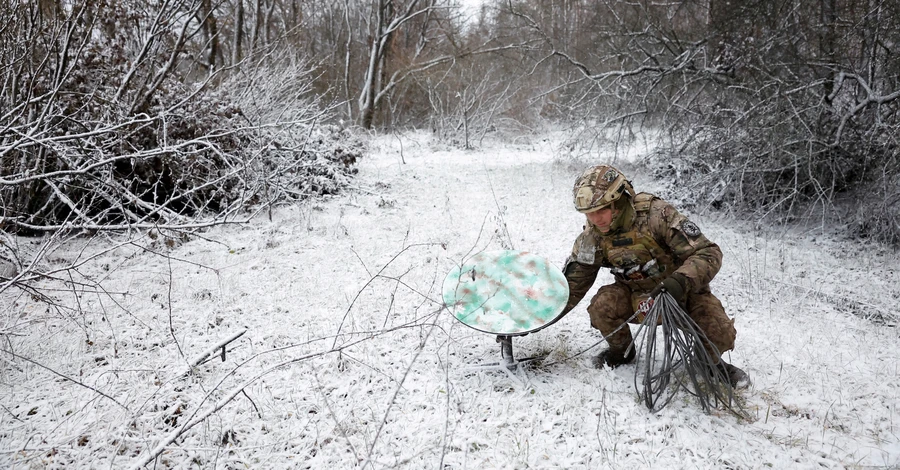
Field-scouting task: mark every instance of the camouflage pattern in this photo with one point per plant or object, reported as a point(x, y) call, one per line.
point(598, 187)
point(613, 305)
point(656, 242)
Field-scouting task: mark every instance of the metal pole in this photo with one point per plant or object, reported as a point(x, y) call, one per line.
point(506, 349)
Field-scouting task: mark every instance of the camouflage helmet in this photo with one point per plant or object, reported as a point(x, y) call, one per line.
point(598, 187)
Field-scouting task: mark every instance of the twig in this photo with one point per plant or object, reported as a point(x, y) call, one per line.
point(66, 377)
point(337, 423)
point(372, 279)
point(252, 403)
point(171, 326)
point(212, 350)
point(197, 417)
point(397, 390)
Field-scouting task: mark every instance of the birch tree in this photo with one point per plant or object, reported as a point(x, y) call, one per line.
point(388, 17)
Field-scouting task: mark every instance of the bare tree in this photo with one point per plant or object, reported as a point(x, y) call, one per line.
point(238, 33)
point(783, 109)
point(388, 17)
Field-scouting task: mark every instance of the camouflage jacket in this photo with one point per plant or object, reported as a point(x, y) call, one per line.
point(657, 242)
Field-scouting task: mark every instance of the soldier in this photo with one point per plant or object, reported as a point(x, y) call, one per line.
point(650, 248)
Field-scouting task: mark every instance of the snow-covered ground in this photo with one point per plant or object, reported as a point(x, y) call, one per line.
point(348, 360)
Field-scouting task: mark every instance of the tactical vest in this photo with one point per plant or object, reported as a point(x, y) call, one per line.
point(636, 257)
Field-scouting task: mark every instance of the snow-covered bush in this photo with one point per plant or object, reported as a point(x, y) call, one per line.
point(116, 130)
point(784, 154)
point(767, 125)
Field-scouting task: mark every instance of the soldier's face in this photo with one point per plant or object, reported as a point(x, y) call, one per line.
point(601, 218)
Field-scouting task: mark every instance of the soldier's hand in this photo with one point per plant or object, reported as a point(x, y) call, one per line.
point(674, 285)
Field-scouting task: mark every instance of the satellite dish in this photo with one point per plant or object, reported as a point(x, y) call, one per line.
point(506, 293)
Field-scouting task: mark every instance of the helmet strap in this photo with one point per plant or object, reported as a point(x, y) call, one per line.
point(623, 215)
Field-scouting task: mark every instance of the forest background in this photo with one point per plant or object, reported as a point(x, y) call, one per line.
point(138, 114)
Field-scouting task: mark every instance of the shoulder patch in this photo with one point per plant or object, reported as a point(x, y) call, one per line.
point(585, 249)
point(586, 255)
point(690, 229)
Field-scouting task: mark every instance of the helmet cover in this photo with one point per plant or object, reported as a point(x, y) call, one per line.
point(598, 187)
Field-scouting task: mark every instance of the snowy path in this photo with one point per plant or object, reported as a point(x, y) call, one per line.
point(398, 392)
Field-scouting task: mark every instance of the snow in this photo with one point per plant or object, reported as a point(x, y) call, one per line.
point(350, 362)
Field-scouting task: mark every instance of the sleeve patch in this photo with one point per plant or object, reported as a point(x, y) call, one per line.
point(586, 256)
point(690, 229)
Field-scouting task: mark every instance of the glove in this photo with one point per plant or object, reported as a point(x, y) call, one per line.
point(674, 285)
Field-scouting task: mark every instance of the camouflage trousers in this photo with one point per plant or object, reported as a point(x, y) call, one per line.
point(615, 303)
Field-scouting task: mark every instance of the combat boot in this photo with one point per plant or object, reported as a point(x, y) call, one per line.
point(614, 359)
point(736, 377)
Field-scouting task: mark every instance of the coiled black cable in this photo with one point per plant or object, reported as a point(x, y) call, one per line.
point(684, 362)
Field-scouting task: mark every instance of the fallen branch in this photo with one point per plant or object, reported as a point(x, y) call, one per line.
point(209, 352)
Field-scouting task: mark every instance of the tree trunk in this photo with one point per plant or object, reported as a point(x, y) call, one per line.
point(238, 32)
point(380, 37)
point(257, 24)
point(211, 31)
point(827, 41)
point(348, 45)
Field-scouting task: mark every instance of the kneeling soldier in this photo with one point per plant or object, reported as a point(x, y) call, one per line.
point(649, 247)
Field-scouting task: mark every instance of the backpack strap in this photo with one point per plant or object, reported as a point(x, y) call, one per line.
point(642, 202)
